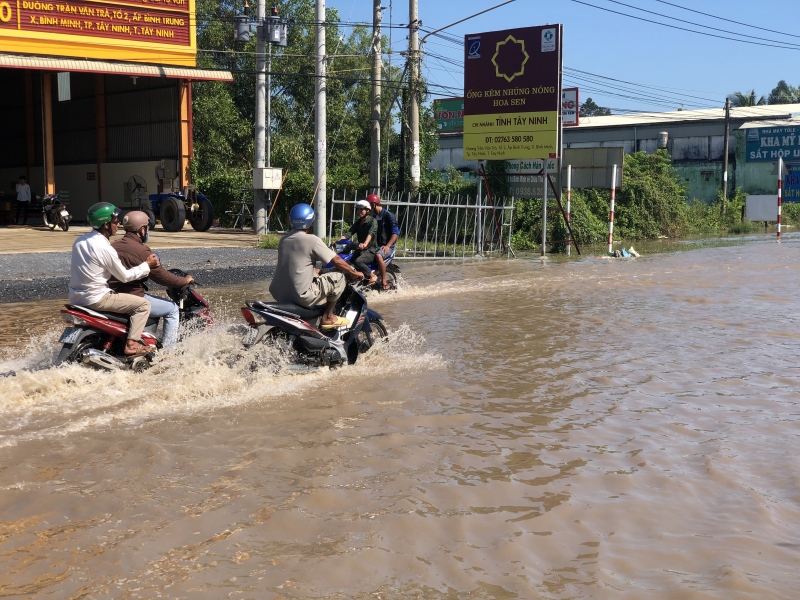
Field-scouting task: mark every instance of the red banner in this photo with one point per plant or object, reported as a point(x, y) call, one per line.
point(122, 21)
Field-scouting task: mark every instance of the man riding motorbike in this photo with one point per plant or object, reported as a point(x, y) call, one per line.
point(94, 260)
point(131, 250)
point(388, 232)
point(296, 280)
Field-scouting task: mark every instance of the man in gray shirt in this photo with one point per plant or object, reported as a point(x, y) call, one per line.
point(296, 280)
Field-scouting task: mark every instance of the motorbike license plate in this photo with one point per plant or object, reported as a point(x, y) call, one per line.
point(64, 213)
point(249, 337)
point(70, 335)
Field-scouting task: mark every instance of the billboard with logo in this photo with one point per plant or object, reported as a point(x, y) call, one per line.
point(570, 107)
point(160, 31)
point(449, 115)
point(512, 93)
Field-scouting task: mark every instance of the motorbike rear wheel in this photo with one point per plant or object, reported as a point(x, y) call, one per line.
point(64, 225)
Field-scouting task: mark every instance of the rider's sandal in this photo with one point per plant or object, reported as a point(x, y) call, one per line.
point(340, 322)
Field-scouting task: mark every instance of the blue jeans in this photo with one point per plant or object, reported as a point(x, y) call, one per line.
point(161, 307)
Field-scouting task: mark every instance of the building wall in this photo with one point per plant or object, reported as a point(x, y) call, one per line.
point(83, 192)
point(142, 129)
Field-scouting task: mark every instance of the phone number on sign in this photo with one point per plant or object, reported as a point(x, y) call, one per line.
point(508, 139)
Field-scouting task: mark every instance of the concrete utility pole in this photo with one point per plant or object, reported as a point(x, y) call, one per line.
point(413, 84)
point(375, 141)
point(725, 154)
point(259, 196)
point(320, 127)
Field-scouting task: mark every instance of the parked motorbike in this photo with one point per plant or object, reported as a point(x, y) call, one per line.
point(97, 339)
point(345, 248)
point(295, 331)
point(54, 212)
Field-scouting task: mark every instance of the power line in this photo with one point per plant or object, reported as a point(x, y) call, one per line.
point(728, 20)
point(700, 24)
point(616, 12)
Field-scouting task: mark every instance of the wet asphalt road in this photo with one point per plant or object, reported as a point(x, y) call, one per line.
point(46, 274)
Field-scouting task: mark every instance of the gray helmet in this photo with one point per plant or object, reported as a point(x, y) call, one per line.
point(135, 220)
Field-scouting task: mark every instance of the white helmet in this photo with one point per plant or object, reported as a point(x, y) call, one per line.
point(363, 204)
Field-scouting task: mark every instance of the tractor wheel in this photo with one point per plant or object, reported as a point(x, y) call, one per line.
point(173, 214)
point(202, 217)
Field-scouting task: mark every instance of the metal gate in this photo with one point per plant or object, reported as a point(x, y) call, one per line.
point(436, 227)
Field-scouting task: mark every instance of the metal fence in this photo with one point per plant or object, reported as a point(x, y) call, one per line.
point(436, 226)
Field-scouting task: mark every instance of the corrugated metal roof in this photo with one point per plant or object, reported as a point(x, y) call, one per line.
point(778, 112)
point(47, 63)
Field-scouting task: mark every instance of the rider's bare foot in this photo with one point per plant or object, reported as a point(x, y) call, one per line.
point(373, 280)
point(136, 348)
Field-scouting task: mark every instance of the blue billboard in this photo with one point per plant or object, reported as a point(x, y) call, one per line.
point(768, 144)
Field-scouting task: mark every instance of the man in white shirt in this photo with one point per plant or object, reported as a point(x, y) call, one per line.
point(23, 198)
point(94, 261)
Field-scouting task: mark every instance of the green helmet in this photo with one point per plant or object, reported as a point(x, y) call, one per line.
point(101, 213)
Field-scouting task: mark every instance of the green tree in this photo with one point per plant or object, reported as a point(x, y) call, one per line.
point(591, 109)
point(739, 99)
point(224, 114)
point(783, 93)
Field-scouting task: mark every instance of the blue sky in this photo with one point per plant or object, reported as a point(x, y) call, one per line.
point(696, 71)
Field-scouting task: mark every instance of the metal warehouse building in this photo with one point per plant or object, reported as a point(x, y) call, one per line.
point(696, 141)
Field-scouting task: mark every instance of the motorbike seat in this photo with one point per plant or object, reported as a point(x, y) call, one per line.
point(300, 311)
point(111, 316)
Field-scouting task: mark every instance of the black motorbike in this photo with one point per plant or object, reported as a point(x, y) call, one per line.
point(295, 330)
point(54, 212)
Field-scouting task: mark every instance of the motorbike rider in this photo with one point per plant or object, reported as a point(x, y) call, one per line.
point(388, 232)
point(365, 229)
point(94, 260)
point(132, 250)
point(295, 279)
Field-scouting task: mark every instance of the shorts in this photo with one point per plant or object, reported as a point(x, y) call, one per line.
point(385, 255)
point(326, 287)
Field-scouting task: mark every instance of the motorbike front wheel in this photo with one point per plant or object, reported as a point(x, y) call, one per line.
point(50, 222)
point(367, 339)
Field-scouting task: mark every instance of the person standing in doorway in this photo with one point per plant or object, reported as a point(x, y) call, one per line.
point(23, 198)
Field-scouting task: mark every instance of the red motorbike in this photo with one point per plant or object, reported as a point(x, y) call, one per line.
point(97, 339)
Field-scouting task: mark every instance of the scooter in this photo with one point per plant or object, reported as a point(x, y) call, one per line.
point(97, 339)
point(345, 248)
point(54, 212)
point(295, 330)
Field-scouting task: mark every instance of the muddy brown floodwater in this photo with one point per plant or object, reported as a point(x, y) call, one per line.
point(584, 429)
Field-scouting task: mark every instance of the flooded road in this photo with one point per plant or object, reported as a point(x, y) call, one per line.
point(584, 429)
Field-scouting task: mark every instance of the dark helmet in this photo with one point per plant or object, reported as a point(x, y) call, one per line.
point(301, 216)
point(374, 199)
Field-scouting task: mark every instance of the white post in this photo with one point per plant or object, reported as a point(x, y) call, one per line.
point(544, 209)
point(259, 196)
point(611, 212)
point(569, 207)
point(780, 195)
point(320, 126)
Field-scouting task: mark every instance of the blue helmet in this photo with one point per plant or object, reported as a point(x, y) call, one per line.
point(301, 216)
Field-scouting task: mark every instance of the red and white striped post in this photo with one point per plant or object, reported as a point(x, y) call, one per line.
point(569, 206)
point(780, 195)
point(611, 213)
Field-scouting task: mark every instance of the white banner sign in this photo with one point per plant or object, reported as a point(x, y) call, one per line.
point(570, 107)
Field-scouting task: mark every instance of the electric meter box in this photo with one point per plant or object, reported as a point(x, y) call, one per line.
point(267, 178)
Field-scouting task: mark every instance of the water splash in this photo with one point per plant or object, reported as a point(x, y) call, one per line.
point(207, 371)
